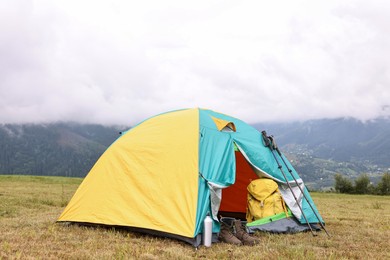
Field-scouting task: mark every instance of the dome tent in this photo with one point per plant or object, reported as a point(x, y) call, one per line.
point(166, 174)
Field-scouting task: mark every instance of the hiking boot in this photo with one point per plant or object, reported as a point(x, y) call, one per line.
point(242, 235)
point(226, 235)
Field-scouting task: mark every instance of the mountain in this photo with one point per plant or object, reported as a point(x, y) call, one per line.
point(321, 148)
point(64, 149)
point(318, 148)
point(339, 139)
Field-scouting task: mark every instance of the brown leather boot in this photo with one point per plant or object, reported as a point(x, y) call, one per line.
point(226, 235)
point(241, 234)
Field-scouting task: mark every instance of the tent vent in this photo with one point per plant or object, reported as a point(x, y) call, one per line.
point(223, 125)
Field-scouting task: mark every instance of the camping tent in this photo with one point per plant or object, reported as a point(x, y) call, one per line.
point(165, 175)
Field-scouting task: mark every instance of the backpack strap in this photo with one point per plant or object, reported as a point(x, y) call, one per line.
point(249, 216)
point(283, 204)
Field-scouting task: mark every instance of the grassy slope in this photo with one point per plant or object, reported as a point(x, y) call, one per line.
point(29, 207)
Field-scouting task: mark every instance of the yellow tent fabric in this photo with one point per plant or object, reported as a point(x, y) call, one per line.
point(221, 124)
point(133, 165)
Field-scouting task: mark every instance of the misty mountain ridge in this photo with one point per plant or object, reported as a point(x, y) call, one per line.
point(317, 148)
point(339, 139)
point(59, 149)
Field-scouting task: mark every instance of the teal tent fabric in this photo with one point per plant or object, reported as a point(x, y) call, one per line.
point(217, 164)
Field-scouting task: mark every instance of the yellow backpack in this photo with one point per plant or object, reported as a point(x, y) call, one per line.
point(264, 200)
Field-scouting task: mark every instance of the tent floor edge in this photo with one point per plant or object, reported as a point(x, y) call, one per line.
point(194, 241)
point(282, 225)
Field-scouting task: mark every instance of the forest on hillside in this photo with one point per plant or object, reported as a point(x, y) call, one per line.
point(55, 149)
point(318, 149)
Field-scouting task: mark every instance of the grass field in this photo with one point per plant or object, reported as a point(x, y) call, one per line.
point(29, 206)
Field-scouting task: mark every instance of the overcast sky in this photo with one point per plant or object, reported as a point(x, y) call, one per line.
point(119, 62)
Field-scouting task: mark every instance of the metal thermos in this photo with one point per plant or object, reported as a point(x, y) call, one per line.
point(207, 231)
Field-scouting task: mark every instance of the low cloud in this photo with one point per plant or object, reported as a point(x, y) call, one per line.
point(123, 61)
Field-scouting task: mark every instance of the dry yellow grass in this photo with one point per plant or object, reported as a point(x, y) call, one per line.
point(29, 206)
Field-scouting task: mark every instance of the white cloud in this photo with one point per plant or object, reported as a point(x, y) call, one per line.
point(123, 61)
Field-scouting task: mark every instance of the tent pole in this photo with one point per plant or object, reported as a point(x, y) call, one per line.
point(268, 144)
point(274, 145)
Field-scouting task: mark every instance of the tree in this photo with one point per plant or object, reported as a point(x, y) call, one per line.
point(384, 184)
point(362, 184)
point(342, 184)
